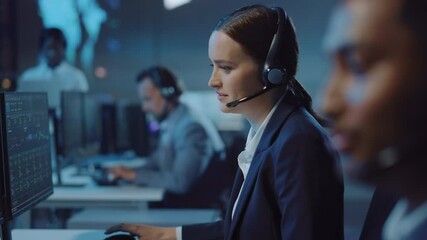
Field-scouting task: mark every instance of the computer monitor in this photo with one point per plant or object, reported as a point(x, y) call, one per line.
point(25, 151)
point(139, 132)
point(92, 121)
point(108, 123)
point(72, 126)
point(122, 126)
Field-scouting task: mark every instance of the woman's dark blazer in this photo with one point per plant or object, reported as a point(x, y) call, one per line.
point(293, 189)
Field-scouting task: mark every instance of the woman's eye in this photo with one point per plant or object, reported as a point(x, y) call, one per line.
point(225, 68)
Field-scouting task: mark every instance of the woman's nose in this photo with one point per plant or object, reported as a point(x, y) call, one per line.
point(214, 81)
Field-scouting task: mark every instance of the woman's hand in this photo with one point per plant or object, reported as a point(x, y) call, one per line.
point(145, 232)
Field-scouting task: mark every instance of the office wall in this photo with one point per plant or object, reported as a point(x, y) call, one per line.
point(140, 33)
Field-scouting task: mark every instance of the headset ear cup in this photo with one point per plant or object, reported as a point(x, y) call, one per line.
point(167, 92)
point(166, 82)
point(275, 73)
point(275, 76)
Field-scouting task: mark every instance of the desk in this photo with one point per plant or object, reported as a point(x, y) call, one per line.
point(57, 234)
point(102, 196)
point(104, 218)
point(91, 195)
point(126, 197)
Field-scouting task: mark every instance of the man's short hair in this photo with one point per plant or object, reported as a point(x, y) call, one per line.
point(52, 33)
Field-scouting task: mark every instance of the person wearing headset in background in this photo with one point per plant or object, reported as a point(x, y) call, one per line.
point(375, 97)
point(187, 143)
point(288, 185)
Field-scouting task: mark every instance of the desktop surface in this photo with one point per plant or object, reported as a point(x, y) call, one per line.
point(91, 195)
point(59, 234)
point(101, 194)
point(101, 218)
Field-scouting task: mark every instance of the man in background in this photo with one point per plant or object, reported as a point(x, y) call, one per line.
point(53, 73)
point(376, 98)
point(187, 147)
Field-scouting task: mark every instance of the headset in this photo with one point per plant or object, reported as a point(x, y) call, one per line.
point(166, 82)
point(274, 73)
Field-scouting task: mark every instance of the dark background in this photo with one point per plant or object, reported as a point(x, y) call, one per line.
point(140, 33)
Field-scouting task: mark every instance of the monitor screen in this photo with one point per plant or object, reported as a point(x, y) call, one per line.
point(72, 125)
point(26, 150)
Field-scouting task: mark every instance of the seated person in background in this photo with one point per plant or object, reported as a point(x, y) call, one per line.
point(53, 74)
point(375, 97)
point(186, 146)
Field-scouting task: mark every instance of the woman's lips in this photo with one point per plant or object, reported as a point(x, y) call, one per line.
point(221, 96)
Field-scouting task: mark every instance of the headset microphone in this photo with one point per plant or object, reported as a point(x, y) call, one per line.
point(244, 99)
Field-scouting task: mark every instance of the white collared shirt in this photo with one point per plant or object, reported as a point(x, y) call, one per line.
point(71, 77)
point(402, 225)
point(245, 157)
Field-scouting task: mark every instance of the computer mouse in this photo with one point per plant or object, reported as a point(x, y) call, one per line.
point(120, 237)
point(103, 178)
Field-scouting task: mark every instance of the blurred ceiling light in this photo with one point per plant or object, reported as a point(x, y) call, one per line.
point(171, 4)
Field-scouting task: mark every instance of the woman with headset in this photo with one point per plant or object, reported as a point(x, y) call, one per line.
point(287, 186)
